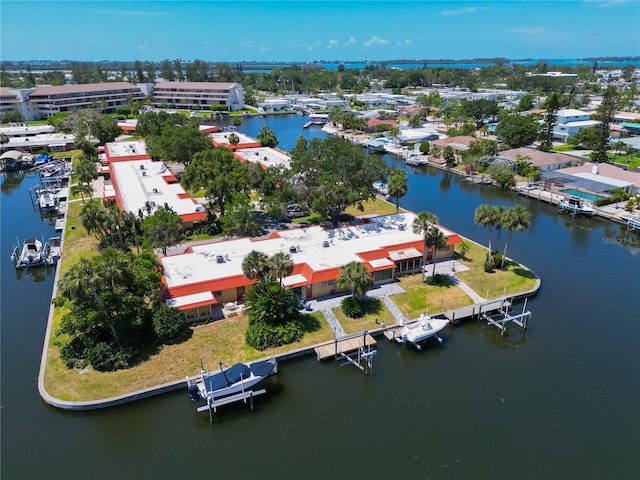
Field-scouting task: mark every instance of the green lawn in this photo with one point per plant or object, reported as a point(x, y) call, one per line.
point(513, 280)
point(374, 308)
point(420, 297)
point(221, 341)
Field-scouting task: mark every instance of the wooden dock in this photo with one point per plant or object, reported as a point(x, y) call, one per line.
point(338, 347)
point(461, 313)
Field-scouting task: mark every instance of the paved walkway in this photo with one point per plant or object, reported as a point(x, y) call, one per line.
point(384, 292)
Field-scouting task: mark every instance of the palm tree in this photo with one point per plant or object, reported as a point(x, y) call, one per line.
point(92, 218)
point(394, 132)
point(112, 266)
point(517, 219)
point(282, 264)
point(354, 276)
point(398, 185)
point(499, 212)
point(421, 225)
point(256, 265)
point(485, 217)
point(435, 240)
point(82, 189)
point(80, 280)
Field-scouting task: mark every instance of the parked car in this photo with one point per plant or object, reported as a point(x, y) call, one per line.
point(345, 217)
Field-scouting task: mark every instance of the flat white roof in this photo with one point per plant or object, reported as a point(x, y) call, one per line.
point(44, 139)
point(266, 156)
point(223, 137)
point(17, 130)
point(344, 244)
point(127, 149)
point(141, 181)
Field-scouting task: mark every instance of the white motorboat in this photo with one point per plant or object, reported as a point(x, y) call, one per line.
point(578, 206)
point(423, 328)
point(381, 187)
point(212, 386)
point(33, 253)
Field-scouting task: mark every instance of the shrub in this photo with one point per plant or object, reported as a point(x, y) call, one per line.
point(72, 354)
point(489, 265)
point(352, 307)
point(497, 258)
point(103, 357)
point(168, 322)
point(261, 336)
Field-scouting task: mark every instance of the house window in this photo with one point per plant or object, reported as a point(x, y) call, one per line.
point(327, 283)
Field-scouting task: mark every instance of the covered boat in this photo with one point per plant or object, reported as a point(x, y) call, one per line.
point(212, 386)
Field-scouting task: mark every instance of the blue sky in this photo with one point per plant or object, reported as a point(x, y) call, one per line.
point(237, 30)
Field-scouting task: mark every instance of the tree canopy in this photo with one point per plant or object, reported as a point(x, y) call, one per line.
point(332, 174)
point(221, 176)
point(517, 130)
point(162, 229)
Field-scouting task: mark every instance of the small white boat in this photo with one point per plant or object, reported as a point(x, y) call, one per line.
point(33, 253)
point(381, 188)
point(212, 386)
point(578, 206)
point(47, 201)
point(423, 328)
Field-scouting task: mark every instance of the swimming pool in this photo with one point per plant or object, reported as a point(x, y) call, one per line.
point(577, 193)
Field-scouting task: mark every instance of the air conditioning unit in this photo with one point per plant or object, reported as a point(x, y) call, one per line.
point(219, 259)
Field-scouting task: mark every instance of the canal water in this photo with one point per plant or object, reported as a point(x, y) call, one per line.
point(561, 401)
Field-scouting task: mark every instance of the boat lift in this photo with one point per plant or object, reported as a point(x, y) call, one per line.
point(504, 316)
point(357, 349)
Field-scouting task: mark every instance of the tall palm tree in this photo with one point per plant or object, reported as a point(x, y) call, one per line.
point(517, 219)
point(92, 218)
point(499, 213)
point(435, 240)
point(354, 276)
point(256, 265)
point(394, 132)
point(282, 264)
point(82, 281)
point(485, 217)
point(421, 225)
point(112, 267)
point(398, 185)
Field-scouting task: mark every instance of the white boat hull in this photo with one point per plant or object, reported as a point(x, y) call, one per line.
point(422, 329)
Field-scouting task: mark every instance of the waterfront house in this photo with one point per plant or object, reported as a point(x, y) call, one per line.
point(547, 161)
point(569, 122)
point(206, 277)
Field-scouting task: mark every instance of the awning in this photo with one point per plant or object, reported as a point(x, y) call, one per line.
point(381, 264)
point(192, 301)
point(294, 281)
point(404, 254)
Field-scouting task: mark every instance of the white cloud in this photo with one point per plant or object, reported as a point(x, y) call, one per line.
point(248, 44)
point(373, 41)
point(142, 47)
point(351, 41)
point(463, 11)
point(332, 43)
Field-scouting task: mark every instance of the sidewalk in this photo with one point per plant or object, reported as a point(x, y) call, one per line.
point(448, 268)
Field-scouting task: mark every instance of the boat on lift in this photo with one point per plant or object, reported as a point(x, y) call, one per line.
point(422, 329)
point(33, 253)
point(215, 386)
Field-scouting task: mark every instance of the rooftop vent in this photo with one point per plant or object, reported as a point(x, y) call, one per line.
point(219, 259)
point(401, 226)
point(325, 243)
point(144, 174)
point(155, 190)
point(141, 167)
point(293, 249)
